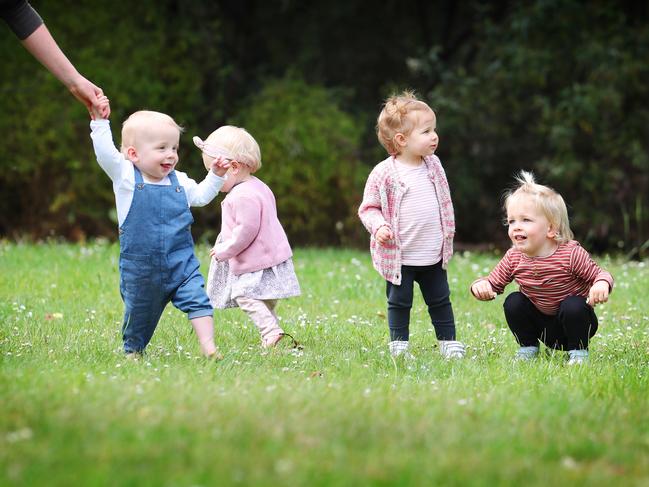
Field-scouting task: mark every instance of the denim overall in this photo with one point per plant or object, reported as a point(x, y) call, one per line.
point(157, 262)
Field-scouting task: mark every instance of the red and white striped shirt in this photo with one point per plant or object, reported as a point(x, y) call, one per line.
point(547, 281)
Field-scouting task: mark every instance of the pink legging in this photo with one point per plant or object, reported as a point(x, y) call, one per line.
point(262, 314)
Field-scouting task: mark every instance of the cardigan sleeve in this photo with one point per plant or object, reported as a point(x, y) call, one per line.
point(370, 210)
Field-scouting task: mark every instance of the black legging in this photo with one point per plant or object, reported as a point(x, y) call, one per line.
point(570, 329)
point(434, 288)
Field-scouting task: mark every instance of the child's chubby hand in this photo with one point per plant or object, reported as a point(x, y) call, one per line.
point(101, 109)
point(598, 293)
point(213, 253)
point(383, 235)
point(483, 291)
point(220, 165)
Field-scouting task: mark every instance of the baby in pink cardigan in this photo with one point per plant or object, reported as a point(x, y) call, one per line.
point(251, 263)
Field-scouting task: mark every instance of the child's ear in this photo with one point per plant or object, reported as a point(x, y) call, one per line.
point(131, 154)
point(552, 232)
point(400, 139)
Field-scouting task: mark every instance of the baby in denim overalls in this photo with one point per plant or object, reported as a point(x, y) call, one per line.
point(156, 262)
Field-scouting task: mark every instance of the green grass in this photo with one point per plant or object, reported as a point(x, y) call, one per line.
point(74, 411)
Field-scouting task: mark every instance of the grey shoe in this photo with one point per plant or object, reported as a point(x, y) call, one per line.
point(526, 353)
point(577, 357)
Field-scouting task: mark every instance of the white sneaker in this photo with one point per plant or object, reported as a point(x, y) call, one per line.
point(526, 353)
point(577, 357)
point(451, 349)
point(399, 348)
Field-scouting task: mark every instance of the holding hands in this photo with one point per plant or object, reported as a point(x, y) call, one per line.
point(91, 96)
point(101, 109)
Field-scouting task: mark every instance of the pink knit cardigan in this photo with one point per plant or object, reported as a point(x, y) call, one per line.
point(380, 206)
point(252, 236)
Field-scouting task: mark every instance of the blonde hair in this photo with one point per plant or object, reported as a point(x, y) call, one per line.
point(238, 143)
point(396, 118)
point(546, 200)
point(141, 123)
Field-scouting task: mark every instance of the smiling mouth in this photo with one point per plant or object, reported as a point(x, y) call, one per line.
point(520, 238)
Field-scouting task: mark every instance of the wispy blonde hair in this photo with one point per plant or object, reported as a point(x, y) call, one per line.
point(238, 143)
point(396, 118)
point(144, 122)
point(547, 201)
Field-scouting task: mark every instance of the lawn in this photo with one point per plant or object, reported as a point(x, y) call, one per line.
point(339, 412)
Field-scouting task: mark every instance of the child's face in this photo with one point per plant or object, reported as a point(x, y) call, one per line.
point(422, 140)
point(156, 152)
point(529, 230)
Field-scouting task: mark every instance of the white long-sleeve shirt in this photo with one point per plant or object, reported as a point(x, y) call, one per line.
point(120, 170)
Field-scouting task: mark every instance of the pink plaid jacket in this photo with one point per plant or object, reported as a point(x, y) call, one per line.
point(380, 206)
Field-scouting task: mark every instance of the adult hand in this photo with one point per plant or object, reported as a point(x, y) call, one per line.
point(90, 95)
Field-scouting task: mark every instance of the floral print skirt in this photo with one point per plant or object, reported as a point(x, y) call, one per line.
point(275, 282)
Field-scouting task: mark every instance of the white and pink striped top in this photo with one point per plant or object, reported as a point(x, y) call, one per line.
point(420, 223)
point(547, 281)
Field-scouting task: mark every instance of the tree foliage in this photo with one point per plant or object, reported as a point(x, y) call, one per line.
point(556, 86)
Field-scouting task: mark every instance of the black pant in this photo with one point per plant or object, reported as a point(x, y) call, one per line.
point(434, 288)
point(570, 329)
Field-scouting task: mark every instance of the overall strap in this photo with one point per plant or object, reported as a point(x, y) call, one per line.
point(138, 175)
point(173, 178)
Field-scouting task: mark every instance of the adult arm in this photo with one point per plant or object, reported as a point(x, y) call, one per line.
point(35, 36)
point(44, 48)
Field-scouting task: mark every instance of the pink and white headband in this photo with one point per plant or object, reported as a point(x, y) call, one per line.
point(211, 150)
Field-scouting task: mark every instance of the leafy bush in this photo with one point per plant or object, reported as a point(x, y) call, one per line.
point(558, 88)
point(309, 152)
point(152, 58)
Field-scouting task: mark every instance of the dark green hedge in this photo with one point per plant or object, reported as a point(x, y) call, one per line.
point(560, 87)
